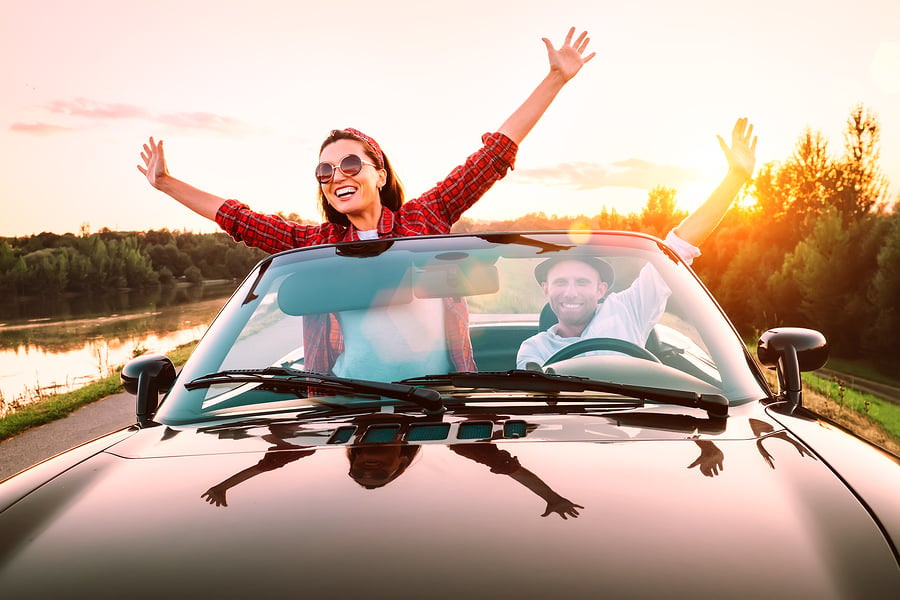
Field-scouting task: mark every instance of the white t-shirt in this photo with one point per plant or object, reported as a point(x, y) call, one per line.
point(389, 343)
point(627, 315)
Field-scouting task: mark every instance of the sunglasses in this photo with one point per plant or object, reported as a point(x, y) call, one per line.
point(350, 165)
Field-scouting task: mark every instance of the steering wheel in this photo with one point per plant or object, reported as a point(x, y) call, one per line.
point(594, 344)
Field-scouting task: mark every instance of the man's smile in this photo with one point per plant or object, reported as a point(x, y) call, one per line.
point(571, 305)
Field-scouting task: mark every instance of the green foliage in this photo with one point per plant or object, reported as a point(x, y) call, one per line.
point(193, 274)
point(885, 291)
point(882, 412)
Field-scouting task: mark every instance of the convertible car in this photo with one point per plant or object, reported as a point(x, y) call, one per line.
point(408, 418)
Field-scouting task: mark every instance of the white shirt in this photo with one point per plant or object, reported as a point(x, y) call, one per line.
point(394, 342)
point(627, 315)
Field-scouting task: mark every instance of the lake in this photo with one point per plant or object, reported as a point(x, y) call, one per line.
point(51, 345)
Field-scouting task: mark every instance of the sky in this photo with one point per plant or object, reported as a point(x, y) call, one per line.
point(243, 93)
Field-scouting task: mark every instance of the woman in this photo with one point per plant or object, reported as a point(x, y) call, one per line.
point(354, 198)
point(362, 198)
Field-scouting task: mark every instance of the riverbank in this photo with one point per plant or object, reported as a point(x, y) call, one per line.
point(35, 414)
point(46, 357)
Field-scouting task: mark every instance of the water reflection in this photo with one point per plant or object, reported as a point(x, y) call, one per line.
point(61, 343)
point(18, 312)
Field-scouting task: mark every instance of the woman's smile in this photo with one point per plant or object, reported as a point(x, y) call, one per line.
point(345, 191)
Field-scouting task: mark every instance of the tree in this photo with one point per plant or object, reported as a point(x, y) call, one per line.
point(659, 215)
point(807, 181)
point(861, 187)
point(7, 257)
point(193, 274)
point(46, 271)
point(884, 332)
point(168, 256)
point(824, 282)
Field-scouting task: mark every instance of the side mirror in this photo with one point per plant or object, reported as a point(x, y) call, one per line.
point(147, 377)
point(790, 351)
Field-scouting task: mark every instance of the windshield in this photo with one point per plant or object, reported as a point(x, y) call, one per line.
point(418, 307)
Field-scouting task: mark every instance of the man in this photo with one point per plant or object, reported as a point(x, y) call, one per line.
point(576, 287)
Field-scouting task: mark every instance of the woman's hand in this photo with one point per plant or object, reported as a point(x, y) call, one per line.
point(563, 507)
point(216, 495)
point(564, 64)
point(157, 173)
point(154, 163)
point(568, 60)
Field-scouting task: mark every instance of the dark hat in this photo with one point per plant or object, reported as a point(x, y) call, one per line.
point(603, 268)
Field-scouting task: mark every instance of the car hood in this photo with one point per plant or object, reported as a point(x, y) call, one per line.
point(270, 506)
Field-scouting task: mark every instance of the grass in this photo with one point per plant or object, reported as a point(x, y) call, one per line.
point(58, 406)
point(868, 416)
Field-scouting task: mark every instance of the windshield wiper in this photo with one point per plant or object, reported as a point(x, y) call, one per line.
point(715, 405)
point(428, 399)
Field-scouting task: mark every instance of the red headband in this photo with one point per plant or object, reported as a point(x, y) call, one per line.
point(371, 142)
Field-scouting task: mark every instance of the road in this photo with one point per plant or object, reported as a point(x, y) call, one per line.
point(879, 390)
point(83, 425)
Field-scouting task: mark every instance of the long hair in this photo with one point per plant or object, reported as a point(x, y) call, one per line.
point(391, 194)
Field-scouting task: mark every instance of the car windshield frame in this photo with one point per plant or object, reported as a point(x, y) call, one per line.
point(261, 324)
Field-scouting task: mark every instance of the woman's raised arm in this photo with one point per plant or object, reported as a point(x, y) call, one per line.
point(157, 173)
point(564, 65)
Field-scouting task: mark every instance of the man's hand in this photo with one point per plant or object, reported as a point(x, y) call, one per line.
point(741, 155)
point(711, 459)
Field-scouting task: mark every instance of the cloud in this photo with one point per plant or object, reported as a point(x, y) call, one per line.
point(39, 128)
point(98, 112)
point(82, 107)
point(630, 173)
point(202, 120)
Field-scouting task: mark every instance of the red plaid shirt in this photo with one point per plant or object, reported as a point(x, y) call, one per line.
point(434, 212)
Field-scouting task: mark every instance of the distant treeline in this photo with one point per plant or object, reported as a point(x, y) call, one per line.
point(813, 242)
point(49, 263)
